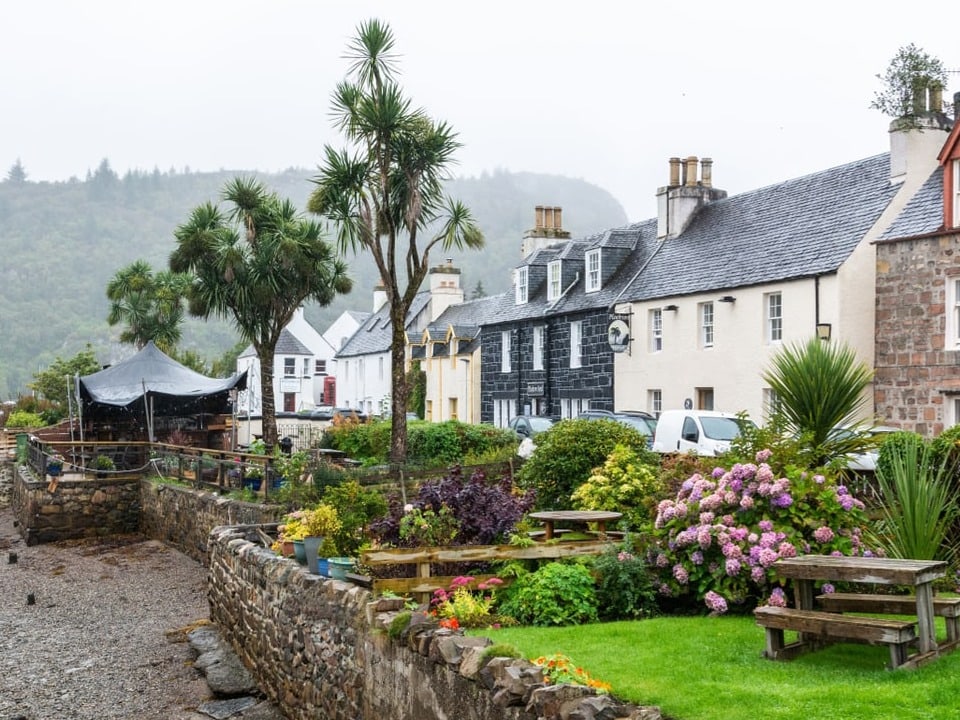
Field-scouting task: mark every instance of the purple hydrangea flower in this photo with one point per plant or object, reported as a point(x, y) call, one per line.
point(777, 598)
point(823, 534)
point(715, 602)
point(680, 574)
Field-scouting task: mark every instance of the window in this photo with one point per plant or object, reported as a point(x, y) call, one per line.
point(553, 281)
point(289, 367)
point(505, 351)
point(655, 401)
point(774, 310)
point(503, 412)
point(453, 408)
point(380, 368)
point(956, 193)
point(705, 398)
point(320, 367)
point(953, 411)
point(572, 407)
point(521, 288)
point(538, 347)
point(951, 341)
point(428, 410)
point(306, 367)
point(656, 330)
point(771, 403)
point(593, 270)
point(706, 324)
point(576, 330)
point(346, 370)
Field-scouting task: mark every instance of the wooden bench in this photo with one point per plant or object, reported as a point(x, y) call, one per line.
point(946, 607)
point(822, 627)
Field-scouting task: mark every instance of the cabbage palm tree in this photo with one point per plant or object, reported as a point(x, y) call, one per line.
point(255, 264)
point(150, 304)
point(820, 389)
point(384, 193)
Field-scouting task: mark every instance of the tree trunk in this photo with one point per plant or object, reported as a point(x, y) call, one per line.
point(268, 411)
point(399, 389)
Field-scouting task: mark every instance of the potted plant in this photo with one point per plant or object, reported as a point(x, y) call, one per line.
point(321, 523)
point(103, 464)
point(55, 465)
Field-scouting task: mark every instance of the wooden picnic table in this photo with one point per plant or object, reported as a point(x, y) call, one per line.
point(600, 517)
point(917, 574)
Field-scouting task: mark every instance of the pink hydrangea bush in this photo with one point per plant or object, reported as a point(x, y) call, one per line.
point(715, 543)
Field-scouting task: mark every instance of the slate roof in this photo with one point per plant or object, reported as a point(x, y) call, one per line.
point(466, 318)
point(798, 228)
point(287, 344)
point(374, 335)
point(923, 213)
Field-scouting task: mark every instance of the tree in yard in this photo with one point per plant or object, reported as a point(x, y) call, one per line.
point(150, 304)
point(52, 383)
point(386, 189)
point(911, 73)
point(255, 264)
point(820, 391)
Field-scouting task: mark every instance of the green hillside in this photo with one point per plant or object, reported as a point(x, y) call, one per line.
point(60, 243)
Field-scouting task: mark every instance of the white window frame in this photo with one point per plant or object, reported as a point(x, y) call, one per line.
point(706, 324)
point(553, 280)
point(505, 351)
point(593, 270)
point(656, 330)
point(576, 340)
point(380, 368)
point(538, 335)
point(953, 411)
point(951, 341)
point(522, 285)
point(306, 367)
point(319, 367)
point(771, 403)
point(655, 401)
point(289, 367)
point(773, 310)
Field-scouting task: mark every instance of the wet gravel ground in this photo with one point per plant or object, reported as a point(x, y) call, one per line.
point(95, 629)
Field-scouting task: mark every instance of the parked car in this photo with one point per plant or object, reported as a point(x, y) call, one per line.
point(527, 426)
point(867, 460)
point(643, 422)
point(705, 432)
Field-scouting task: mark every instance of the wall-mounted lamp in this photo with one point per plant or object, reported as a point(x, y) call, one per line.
point(728, 298)
point(824, 330)
point(672, 308)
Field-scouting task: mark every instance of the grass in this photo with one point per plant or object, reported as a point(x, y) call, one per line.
point(707, 668)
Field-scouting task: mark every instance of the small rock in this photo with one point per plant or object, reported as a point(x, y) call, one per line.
point(222, 709)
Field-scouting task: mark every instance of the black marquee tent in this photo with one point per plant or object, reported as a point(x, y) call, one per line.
point(151, 384)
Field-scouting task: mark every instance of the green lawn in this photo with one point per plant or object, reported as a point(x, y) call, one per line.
point(703, 668)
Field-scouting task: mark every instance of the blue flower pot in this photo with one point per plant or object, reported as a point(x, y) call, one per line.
point(323, 567)
point(340, 566)
point(300, 552)
point(311, 547)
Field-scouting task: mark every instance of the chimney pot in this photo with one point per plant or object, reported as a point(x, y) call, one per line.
point(690, 176)
point(548, 218)
point(557, 215)
point(539, 211)
point(706, 172)
point(936, 99)
point(674, 171)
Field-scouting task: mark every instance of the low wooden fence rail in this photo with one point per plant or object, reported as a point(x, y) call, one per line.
point(424, 584)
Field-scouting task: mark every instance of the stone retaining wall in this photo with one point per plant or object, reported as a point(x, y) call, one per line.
point(320, 648)
point(75, 508)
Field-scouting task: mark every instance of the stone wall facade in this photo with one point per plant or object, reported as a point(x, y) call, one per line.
point(74, 508)
point(917, 379)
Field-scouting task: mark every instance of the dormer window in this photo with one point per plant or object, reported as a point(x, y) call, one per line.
point(522, 284)
point(593, 270)
point(553, 281)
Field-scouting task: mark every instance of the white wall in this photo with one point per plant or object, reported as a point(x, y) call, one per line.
point(363, 382)
point(453, 379)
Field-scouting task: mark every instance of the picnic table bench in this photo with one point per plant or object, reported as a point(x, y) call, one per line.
point(946, 607)
point(821, 627)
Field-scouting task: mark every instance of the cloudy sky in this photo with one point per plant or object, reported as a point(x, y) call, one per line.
point(605, 91)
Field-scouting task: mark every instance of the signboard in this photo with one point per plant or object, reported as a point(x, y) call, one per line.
point(535, 389)
point(618, 335)
point(290, 384)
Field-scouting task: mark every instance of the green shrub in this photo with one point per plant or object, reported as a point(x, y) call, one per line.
point(556, 594)
point(361, 440)
point(625, 587)
point(399, 623)
point(356, 507)
point(894, 445)
point(499, 650)
point(624, 484)
point(946, 448)
point(568, 452)
point(24, 419)
point(429, 442)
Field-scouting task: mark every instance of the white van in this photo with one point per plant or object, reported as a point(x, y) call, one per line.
point(704, 432)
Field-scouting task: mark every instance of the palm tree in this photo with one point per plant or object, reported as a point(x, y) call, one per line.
point(820, 389)
point(256, 264)
point(386, 190)
point(151, 305)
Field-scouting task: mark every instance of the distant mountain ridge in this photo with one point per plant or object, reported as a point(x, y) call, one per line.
point(60, 244)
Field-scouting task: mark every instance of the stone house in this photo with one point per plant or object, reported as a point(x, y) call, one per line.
point(917, 384)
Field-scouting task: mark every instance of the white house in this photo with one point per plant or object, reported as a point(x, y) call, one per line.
point(363, 363)
point(730, 280)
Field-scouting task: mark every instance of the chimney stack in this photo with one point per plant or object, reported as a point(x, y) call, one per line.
point(678, 202)
point(548, 230)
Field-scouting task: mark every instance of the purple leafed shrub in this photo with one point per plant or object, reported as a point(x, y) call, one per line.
point(485, 512)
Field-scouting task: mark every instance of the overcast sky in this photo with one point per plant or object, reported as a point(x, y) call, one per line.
point(605, 90)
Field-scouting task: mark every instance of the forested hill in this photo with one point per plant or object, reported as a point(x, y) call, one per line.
point(60, 243)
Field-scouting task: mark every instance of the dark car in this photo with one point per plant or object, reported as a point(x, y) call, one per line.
point(643, 422)
point(527, 426)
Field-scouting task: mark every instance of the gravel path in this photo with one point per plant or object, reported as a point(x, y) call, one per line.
point(103, 637)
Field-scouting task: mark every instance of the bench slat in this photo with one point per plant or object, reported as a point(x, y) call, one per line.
point(889, 604)
point(831, 625)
